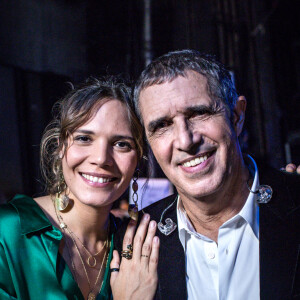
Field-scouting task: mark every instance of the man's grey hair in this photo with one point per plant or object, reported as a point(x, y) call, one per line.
point(166, 68)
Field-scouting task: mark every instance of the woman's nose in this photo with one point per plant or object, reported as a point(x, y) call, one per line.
point(101, 155)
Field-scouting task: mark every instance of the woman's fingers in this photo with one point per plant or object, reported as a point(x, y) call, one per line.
point(128, 238)
point(154, 255)
point(147, 246)
point(114, 267)
point(140, 237)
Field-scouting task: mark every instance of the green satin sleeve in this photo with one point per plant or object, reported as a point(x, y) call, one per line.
point(6, 284)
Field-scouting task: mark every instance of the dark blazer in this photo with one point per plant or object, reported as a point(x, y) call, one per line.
point(279, 242)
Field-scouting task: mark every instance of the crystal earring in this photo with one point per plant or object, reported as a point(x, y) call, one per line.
point(133, 210)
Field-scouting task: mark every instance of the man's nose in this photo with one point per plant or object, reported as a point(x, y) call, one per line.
point(184, 136)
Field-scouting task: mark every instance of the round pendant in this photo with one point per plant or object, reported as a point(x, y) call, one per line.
point(94, 261)
point(91, 296)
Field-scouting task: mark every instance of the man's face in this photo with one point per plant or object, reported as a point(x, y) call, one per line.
point(190, 135)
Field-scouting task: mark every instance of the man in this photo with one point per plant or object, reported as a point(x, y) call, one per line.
point(217, 243)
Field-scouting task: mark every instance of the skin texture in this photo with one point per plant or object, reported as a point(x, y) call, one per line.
point(182, 123)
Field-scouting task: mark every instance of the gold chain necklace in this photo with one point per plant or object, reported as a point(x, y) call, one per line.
point(91, 256)
point(92, 295)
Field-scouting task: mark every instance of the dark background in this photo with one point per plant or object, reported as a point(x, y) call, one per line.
point(46, 43)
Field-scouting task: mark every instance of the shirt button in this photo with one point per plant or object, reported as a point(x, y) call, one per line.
point(211, 255)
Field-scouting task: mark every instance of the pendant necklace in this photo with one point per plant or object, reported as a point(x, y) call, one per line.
point(92, 294)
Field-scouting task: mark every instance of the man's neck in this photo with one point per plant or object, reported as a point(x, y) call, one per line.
point(208, 213)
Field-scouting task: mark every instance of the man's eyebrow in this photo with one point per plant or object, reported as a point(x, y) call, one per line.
point(211, 109)
point(155, 123)
point(200, 109)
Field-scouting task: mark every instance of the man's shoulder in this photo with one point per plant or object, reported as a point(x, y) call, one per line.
point(285, 201)
point(279, 180)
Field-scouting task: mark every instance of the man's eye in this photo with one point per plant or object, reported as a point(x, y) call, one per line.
point(161, 125)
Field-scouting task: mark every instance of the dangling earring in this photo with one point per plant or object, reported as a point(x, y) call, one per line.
point(61, 201)
point(133, 210)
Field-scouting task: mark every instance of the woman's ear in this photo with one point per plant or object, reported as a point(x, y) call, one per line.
point(239, 114)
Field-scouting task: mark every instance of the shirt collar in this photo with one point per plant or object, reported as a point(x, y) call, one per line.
point(249, 212)
point(32, 218)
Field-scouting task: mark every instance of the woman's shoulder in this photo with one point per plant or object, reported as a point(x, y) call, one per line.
point(10, 209)
point(21, 215)
point(9, 216)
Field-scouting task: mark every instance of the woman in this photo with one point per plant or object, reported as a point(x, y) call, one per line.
point(60, 246)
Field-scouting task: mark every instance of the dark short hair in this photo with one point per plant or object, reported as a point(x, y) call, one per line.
point(165, 68)
point(74, 110)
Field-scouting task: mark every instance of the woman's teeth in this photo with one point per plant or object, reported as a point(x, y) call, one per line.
point(96, 179)
point(196, 161)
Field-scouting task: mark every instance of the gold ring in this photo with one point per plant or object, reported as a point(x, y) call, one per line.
point(126, 254)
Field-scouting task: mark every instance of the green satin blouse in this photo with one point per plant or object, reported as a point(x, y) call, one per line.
point(30, 264)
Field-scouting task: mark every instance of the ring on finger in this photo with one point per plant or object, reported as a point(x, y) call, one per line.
point(143, 255)
point(129, 247)
point(114, 270)
point(126, 254)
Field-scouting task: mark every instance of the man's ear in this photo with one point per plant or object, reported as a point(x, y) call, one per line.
point(239, 114)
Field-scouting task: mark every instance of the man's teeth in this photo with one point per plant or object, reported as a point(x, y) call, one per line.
point(196, 161)
point(96, 179)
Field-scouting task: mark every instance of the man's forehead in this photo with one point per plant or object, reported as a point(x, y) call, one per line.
point(177, 96)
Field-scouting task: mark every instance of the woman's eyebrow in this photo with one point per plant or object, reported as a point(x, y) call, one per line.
point(84, 131)
point(122, 137)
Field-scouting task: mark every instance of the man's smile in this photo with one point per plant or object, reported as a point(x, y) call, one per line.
point(192, 162)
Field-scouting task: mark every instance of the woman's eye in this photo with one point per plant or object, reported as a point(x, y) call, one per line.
point(82, 138)
point(123, 145)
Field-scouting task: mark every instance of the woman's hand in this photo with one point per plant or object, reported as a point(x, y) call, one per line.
point(137, 277)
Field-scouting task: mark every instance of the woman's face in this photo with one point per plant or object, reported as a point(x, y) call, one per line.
point(101, 157)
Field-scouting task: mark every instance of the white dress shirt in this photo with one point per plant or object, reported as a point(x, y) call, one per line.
point(229, 269)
